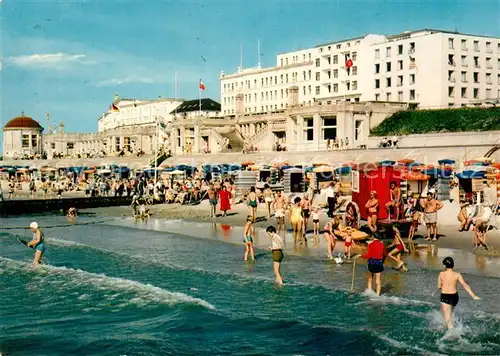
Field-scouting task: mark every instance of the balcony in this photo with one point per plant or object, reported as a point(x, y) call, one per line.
point(476, 49)
point(451, 80)
point(411, 50)
point(451, 63)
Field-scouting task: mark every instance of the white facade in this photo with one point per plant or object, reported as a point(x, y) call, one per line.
point(434, 69)
point(138, 113)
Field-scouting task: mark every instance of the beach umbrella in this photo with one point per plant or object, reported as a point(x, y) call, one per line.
point(415, 176)
point(406, 161)
point(470, 175)
point(446, 161)
point(351, 164)
point(323, 169)
point(248, 163)
point(387, 163)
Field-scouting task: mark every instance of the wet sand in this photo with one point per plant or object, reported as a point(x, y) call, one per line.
point(450, 238)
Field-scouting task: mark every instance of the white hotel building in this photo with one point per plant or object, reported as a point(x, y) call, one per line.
point(429, 68)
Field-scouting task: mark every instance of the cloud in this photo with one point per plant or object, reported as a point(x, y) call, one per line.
point(126, 80)
point(52, 60)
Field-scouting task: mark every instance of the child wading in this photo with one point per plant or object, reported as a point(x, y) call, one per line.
point(399, 248)
point(447, 283)
point(348, 242)
point(248, 238)
point(277, 252)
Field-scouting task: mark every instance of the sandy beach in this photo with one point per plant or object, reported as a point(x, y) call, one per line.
point(449, 238)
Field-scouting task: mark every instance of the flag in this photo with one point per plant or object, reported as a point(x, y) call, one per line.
point(202, 86)
point(348, 63)
point(114, 108)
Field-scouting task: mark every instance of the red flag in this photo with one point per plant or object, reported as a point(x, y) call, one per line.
point(202, 86)
point(348, 61)
point(114, 108)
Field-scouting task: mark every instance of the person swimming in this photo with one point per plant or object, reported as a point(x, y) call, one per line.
point(37, 242)
point(447, 283)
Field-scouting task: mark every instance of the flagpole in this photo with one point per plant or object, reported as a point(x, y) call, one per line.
point(199, 95)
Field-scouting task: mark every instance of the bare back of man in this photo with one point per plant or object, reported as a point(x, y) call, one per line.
point(279, 205)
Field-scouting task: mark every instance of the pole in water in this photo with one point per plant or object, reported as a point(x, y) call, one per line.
point(353, 274)
point(25, 243)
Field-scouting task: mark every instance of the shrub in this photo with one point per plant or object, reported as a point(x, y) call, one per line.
point(445, 120)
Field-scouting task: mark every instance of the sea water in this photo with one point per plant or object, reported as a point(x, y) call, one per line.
point(164, 288)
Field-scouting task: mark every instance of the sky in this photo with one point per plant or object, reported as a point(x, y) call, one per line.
point(69, 58)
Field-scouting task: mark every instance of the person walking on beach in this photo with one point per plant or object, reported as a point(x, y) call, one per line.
point(315, 219)
point(372, 207)
point(224, 198)
point(431, 207)
point(37, 242)
point(375, 256)
point(398, 248)
point(348, 242)
point(248, 237)
point(212, 200)
point(395, 201)
point(447, 283)
point(296, 219)
point(252, 203)
point(268, 198)
point(330, 237)
point(277, 252)
point(330, 198)
point(305, 204)
point(279, 205)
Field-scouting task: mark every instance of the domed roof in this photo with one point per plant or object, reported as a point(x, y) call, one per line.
point(23, 122)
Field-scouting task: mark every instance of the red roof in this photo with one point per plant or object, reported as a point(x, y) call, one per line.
point(24, 122)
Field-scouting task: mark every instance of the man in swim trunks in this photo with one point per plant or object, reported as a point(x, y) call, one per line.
point(375, 256)
point(395, 200)
point(372, 207)
point(37, 243)
point(212, 199)
point(305, 204)
point(277, 252)
point(279, 206)
point(431, 206)
point(447, 283)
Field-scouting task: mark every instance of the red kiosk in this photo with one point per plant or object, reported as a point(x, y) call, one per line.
point(372, 176)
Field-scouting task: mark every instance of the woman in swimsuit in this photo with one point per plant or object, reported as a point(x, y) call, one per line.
point(315, 219)
point(252, 203)
point(37, 243)
point(248, 237)
point(296, 219)
point(268, 198)
point(372, 207)
point(399, 248)
point(330, 235)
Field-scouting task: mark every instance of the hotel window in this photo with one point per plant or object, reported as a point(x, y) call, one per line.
point(400, 49)
point(317, 90)
point(463, 77)
point(275, 79)
point(304, 90)
point(498, 63)
point(411, 50)
point(464, 45)
point(286, 61)
point(388, 82)
point(451, 92)
point(308, 129)
point(71, 145)
point(388, 67)
point(377, 97)
point(335, 59)
point(309, 57)
point(450, 43)
point(488, 78)
point(329, 60)
point(388, 52)
point(488, 63)
point(354, 85)
point(304, 57)
point(224, 88)
point(388, 96)
point(354, 70)
point(282, 94)
point(476, 62)
point(354, 56)
point(476, 93)
point(335, 73)
point(286, 78)
point(304, 75)
point(476, 45)
point(267, 95)
point(255, 97)
point(224, 101)
point(339, 46)
point(377, 68)
point(488, 94)
point(400, 80)
point(377, 83)
point(232, 85)
point(348, 85)
point(53, 145)
point(261, 82)
point(255, 83)
point(262, 96)
point(400, 96)
point(377, 54)
point(400, 65)
point(309, 89)
point(309, 73)
point(26, 141)
point(318, 77)
point(412, 94)
point(329, 127)
point(463, 93)
point(464, 61)
point(281, 61)
point(498, 80)
point(451, 60)
point(329, 74)
point(451, 76)
point(335, 88)
point(318, 63)
point(267, 81)
point(329, 88)
point(475, 77)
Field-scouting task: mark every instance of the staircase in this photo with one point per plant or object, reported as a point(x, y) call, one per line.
point(254, 139)
point(235, 139)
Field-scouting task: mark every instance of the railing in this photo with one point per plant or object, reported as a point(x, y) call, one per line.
point(259, 134)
